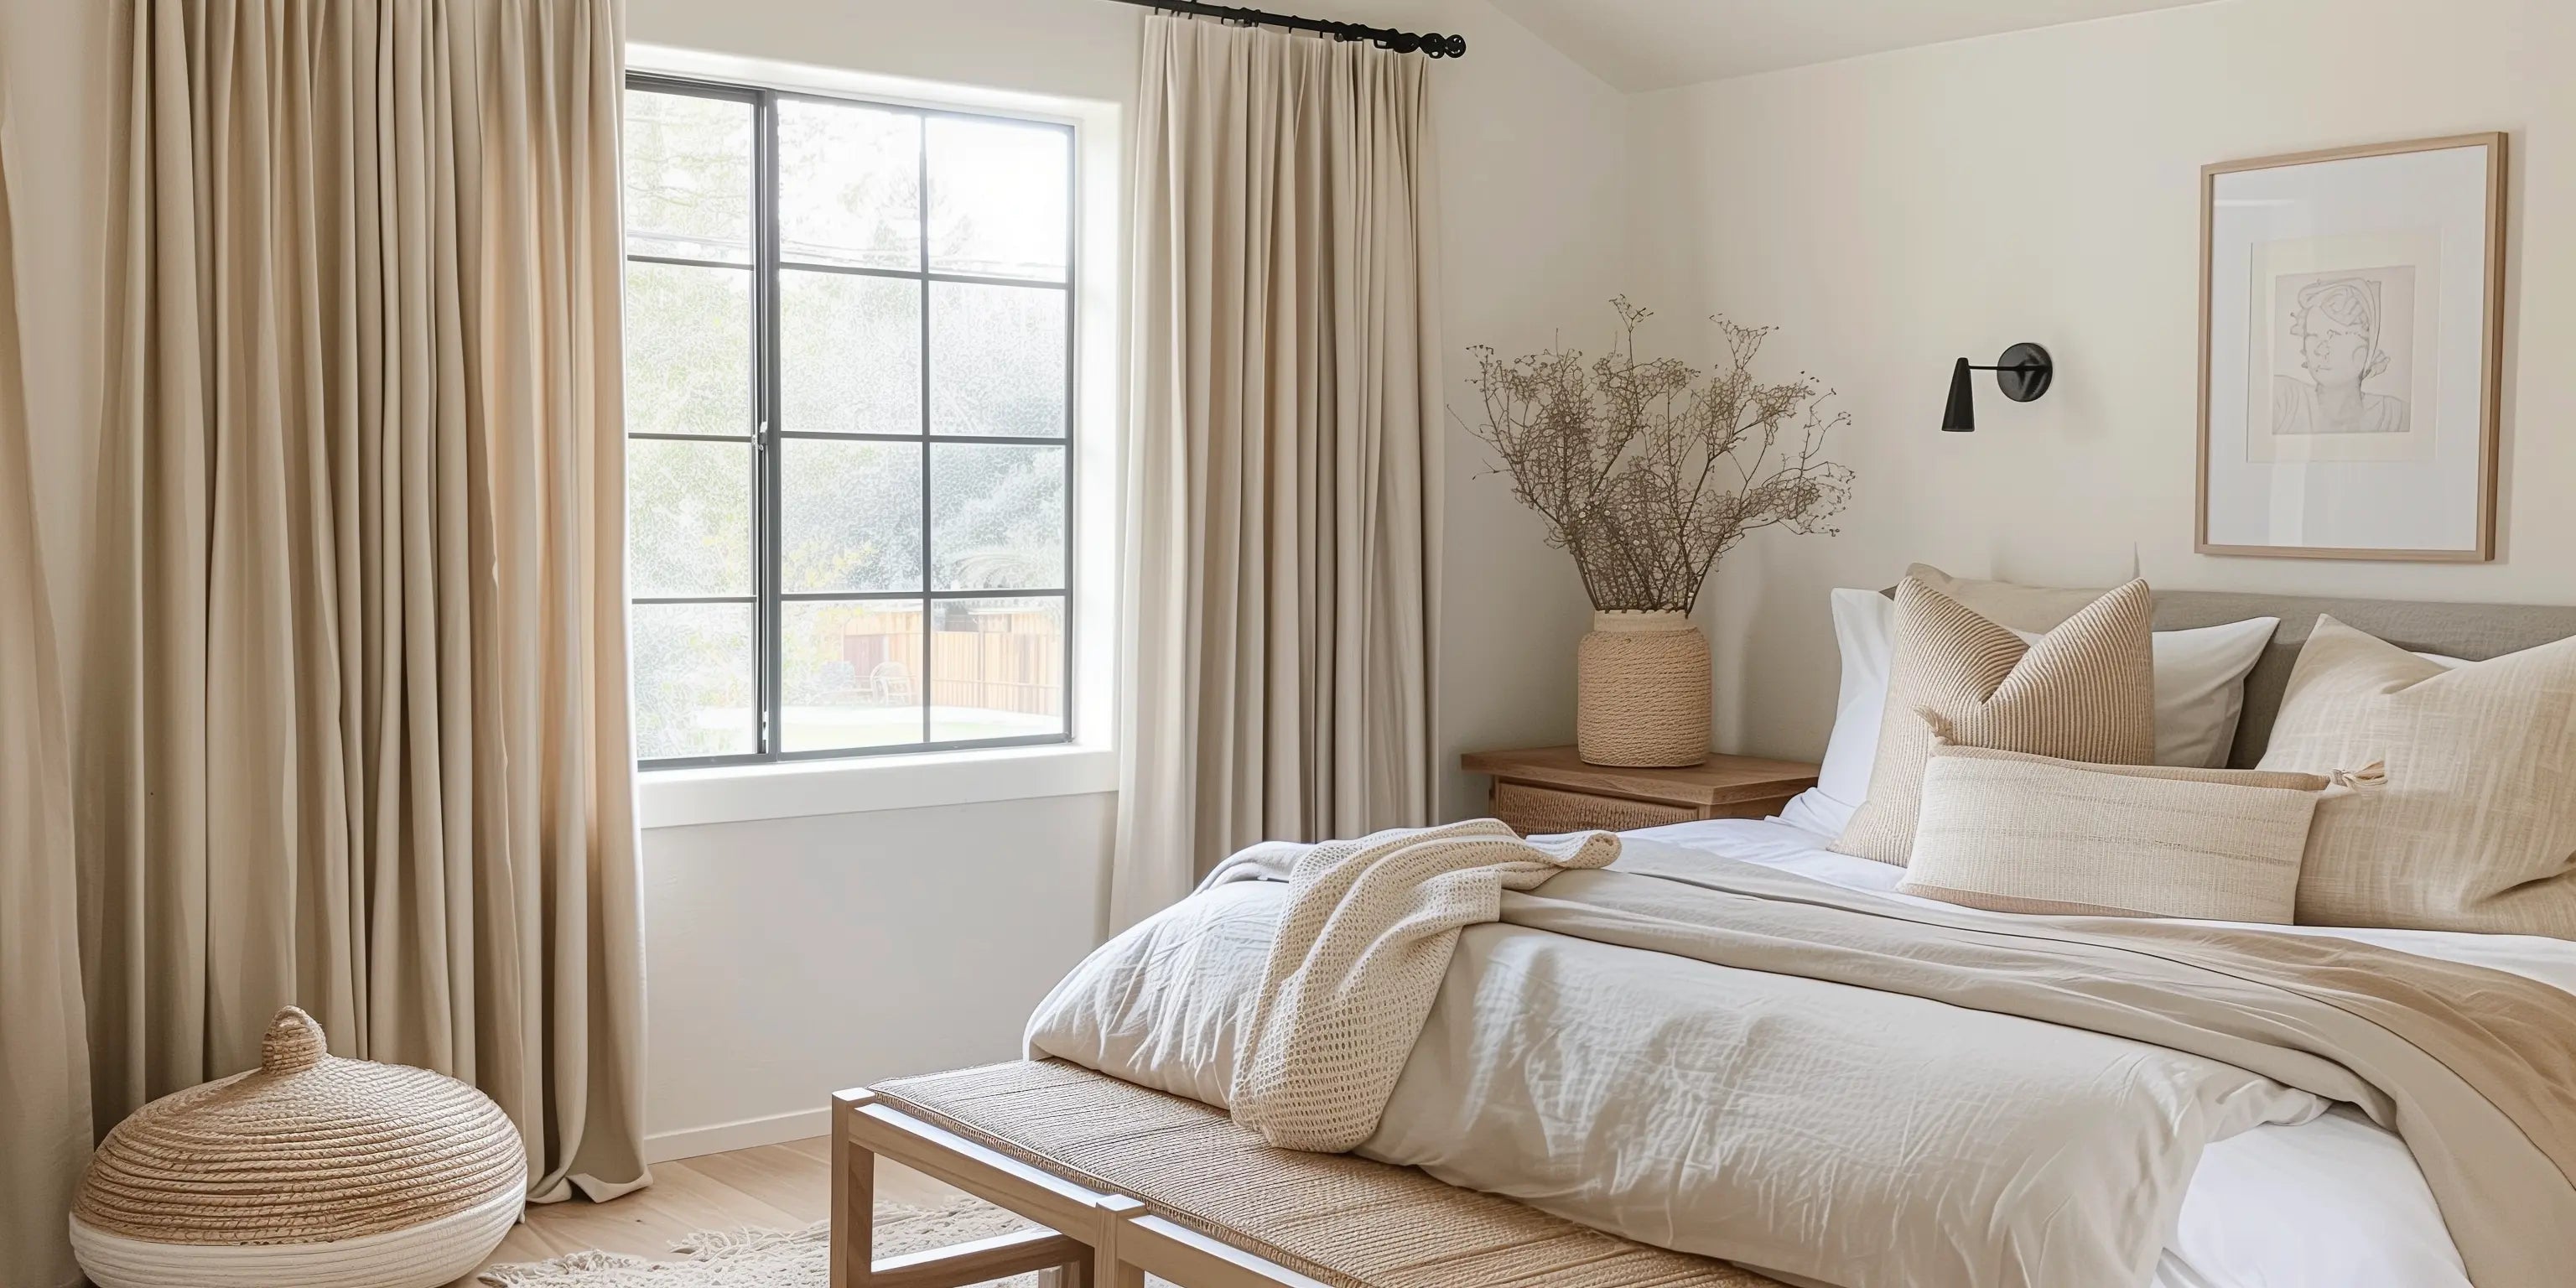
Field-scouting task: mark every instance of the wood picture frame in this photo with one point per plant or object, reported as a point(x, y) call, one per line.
point(2373, 445)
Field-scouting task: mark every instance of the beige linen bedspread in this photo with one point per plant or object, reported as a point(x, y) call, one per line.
point(1724, 1059)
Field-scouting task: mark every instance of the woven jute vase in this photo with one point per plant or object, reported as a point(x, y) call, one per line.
point(1641, 691)
point(310, 1171)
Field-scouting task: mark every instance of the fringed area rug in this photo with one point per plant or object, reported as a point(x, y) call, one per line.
point(766, 1258)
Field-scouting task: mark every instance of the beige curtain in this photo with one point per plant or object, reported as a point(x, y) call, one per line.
point(1284, 471)
point(354, 730)
point(44, 1065)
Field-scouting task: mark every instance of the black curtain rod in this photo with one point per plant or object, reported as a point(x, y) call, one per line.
point(1431, 43)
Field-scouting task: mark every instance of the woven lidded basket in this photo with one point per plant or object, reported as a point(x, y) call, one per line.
point(311, 1171)
point(1641, 691)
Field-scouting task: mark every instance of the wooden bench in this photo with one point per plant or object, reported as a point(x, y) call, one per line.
point(1126, 1182)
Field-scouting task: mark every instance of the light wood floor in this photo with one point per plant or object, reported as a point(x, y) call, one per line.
point(783, 1187)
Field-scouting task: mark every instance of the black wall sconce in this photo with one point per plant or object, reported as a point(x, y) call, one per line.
point(2023, 373)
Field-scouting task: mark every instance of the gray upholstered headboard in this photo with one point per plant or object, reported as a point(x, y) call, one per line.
point(2472, 631)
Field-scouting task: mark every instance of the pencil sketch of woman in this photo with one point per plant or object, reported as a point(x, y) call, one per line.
point(2337, 324)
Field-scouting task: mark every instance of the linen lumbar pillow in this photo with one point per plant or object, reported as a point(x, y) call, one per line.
point(2476, 827)
point(2084, 691)
point(2010, 832)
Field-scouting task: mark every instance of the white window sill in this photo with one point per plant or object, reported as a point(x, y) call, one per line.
point(862, 784)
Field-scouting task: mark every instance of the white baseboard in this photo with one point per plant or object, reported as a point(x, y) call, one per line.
point(776, 1129)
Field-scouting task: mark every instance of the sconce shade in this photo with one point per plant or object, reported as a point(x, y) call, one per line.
point(1960, 415)
point(2023, 373)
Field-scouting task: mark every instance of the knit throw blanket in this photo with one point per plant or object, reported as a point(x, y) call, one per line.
point(1363, 941)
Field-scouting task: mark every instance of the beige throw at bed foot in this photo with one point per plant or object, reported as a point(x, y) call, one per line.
point(1363, 941)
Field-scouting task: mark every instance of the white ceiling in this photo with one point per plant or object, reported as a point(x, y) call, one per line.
point(1657, 44)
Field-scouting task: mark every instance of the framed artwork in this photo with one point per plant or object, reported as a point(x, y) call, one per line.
point(2351, 351)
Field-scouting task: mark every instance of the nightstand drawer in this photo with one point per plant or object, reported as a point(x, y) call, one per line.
point(1530, 809)
point(1551, 789)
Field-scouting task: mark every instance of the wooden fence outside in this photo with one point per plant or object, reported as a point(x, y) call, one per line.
point(1006, 662)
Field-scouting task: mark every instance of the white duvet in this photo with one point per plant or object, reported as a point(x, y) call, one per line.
point(2320, 1197)
point(2335, 1202)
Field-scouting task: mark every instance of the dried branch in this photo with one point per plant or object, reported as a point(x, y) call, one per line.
point(1647, 474)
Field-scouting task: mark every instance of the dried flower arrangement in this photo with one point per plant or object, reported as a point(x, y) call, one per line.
point(1647, 474)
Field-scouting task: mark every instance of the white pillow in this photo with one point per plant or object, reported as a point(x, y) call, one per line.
point(1865, 629)
point(2200, 696)
point(2200, 689)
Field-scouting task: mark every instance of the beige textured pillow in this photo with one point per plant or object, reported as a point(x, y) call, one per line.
point(2017, 833)
point(2084, 691)
point(2476, 827)
point(2005, 603)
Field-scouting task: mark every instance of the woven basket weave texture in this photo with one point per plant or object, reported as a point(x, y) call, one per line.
point(307, 1148)
point(1347, 1221)
point(1642, 691)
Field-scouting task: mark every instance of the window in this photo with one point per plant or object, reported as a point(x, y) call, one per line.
point(848, 399)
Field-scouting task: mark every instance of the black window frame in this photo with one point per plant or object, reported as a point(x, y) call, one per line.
point(767, 432)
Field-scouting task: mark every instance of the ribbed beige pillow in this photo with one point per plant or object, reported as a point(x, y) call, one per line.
point(2017, 833)
point(2476, 828)
point(2084, 691)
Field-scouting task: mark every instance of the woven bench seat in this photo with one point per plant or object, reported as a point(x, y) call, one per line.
point(1337, 1219)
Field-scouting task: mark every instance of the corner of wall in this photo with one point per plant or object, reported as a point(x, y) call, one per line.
point(1534, 158)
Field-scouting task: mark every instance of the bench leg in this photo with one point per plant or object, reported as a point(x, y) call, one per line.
point(854, 1197)
point(1109, 1269)
point(1113, 1273)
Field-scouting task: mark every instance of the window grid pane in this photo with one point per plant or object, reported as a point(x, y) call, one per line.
point(688, 349)
point(694, 695)
point(849, 353)
point(853, 674)
point(996, 516)
point(849, 184)
point(997, 668)
point(848, 361)
point(1000, 195)
point(997, 360)
point(689, 181)
point(849, 516)
point(689, 525)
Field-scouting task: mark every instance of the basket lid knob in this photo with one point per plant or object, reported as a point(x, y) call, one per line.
point(293, 1043)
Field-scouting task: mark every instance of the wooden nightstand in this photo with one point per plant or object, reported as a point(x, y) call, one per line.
point(1550, 789)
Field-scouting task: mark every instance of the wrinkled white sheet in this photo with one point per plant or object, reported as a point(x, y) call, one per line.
point(2332, 1203)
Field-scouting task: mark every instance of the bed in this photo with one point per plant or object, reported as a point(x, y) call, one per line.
point(2296, 1191)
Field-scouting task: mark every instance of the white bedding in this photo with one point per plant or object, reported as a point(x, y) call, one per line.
point(2336, 1202)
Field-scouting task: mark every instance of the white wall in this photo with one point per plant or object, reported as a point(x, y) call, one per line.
point(792, 957)
point(789, 958)
point(1534, 169)
point(1895, 212)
